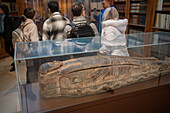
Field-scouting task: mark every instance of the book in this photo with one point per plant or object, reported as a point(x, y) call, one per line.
point(168, 22)
point(121, 8)
point(157, 21)
point(166, 5)
point(134, 7)
point(166, 9)
point(143, 7)
point(163, 20)
point(159, 4)
point(134, 19)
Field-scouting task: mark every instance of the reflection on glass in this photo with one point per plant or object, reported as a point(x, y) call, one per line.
point(88, 44)
point(116, 45)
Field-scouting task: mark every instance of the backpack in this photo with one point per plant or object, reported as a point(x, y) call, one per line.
point(81, 30)
point(18, 35)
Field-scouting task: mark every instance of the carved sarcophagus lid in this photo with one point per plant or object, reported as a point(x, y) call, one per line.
point(96, 74)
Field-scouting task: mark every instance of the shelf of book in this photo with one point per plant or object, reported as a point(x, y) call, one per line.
point(161, 29)
point(137, 25)
point(162, 11)
point(121, 6)
point(136, 1)
point(162, 16)
point(122, 12)
point(135, 29)
point(138, 13)
point(120, 2)
point(150, 15)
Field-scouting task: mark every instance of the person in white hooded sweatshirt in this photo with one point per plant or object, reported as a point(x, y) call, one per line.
point(113, 33)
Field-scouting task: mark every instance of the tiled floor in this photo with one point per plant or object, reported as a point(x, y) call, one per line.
point(9, 100)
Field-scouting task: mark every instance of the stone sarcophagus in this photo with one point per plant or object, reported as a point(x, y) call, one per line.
point(96, 74)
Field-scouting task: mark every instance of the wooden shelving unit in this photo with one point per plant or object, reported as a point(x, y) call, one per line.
point(125, 9)
point(138, 13)
point(138, 25)
point(136, 1)
point(121, 5)
point(147, 16)
point(145, 20)
point(129, 9)
point(162, 16)
point(162, 11)
point(162, 29)
point(120, 2)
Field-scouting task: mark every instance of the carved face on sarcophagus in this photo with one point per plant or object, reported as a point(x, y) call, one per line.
point(96, 74)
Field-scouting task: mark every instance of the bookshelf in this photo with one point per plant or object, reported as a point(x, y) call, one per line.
point(145, 15)
point(137, 16)
point(121, 5)
point(162, 16)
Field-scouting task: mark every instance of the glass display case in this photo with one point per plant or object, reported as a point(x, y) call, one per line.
point(30, 56)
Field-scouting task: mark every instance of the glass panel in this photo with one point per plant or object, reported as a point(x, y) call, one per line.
point(81, 45)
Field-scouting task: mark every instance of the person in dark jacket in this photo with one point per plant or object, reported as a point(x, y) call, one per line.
point(6, 31)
